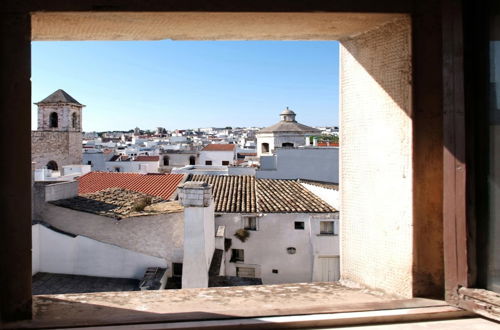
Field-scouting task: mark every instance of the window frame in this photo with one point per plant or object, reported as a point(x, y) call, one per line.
point(20, 40)
point(464, 139)
point(248, 226)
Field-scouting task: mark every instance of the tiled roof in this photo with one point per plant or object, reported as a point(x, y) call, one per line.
point(286, 196)
point(219, 147)
point(161, 185)
point(232, 194)
point(245, 194)
point(59, 96)
point(117, 203)
point(289, 126)
point(147, 158)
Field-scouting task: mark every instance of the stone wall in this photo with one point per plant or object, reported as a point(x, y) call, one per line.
point(159, 236)
point(64, 116)
point(376, 159)
point(65, 148)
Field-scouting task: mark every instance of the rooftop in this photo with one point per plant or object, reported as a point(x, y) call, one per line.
point(246, 194)
point(48, 283)
point(59, 96)
point(289, 126)
point(118, 203)
point(219, 147)
point(161, 185)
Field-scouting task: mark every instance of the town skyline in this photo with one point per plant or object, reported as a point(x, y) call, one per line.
point(189, 85)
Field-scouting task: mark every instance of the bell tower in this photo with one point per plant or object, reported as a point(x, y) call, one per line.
point(60, 112)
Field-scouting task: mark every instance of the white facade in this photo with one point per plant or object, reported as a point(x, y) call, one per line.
point(96, 159)
point(277, 140)
point(309, 163)
point(217, 157)
point(54, 252)
point(266, 250)
point(133, 166)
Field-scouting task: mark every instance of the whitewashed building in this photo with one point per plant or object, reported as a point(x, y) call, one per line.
point(292, 234)
point(218, 154)
point(284, 134)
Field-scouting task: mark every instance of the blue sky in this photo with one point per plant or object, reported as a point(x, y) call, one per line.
point(190, 84)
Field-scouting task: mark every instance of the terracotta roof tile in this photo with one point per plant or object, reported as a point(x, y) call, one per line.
point(219, 147)
point(147, 158)
point(161, 185)
point(232, 194)
point(245, 194)
point(286, 196)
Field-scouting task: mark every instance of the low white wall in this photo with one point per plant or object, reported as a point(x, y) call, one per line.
point(64, 254)
point(318, 164)
point(236, 170)
point(160, 235)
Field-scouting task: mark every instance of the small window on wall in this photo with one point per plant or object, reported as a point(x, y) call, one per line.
point(299, 225)
point(265, 147)
point(225, 162)
point(208, 162)
point(326, 228)
point(237, 255)
point(177, 269)
point(287, 145)
point(250, 223)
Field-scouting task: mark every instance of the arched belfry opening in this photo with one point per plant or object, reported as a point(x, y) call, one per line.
point(74, 120)
point(52, 165)
point(53, 120)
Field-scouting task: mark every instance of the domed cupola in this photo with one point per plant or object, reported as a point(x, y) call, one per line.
point(287, 115)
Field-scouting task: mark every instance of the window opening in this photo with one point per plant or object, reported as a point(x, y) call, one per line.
point(53, 120)
point(250, 223)
point(237, 255)
point(326, 228)
point(299, 225)
point(52, 165)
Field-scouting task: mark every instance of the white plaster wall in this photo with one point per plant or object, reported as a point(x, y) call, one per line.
point(237, 170)
point(133, 167)
point(64, 254)
point(199, 245)
point(318, 164)
point(217, 157)
point(98, 160)
point(160, 236)
point(35, 249)
point(330, 196)
point(266, 247)
point(376, 158)
point(277, 139)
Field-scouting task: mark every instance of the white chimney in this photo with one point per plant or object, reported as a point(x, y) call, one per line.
point(199, 233)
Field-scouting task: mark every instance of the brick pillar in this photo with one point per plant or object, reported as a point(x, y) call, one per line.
point(199, 233)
